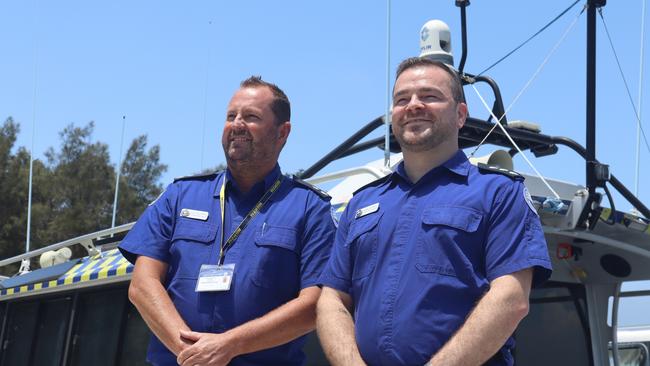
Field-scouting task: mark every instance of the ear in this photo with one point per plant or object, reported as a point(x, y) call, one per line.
point(284, 130)
point(461, 114)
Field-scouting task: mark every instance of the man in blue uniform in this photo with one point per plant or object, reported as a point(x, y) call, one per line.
point(227, 264)
point(436, 260)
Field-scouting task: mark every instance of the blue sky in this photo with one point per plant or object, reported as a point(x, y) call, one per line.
point(170, 67)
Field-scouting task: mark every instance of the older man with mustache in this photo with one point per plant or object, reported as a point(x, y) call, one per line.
point(226, 264)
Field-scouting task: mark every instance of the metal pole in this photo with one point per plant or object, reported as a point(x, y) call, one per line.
point(639, 103)
point(591, 96)
point(119, 170)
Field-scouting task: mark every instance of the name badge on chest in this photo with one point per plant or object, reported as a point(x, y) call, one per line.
point(215, 278)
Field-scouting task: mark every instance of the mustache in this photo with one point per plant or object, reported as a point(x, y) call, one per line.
point(242, 133)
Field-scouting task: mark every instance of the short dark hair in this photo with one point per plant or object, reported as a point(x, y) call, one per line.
point(455, 83)
point(280, 106)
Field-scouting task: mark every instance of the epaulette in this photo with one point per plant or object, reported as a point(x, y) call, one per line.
point(373, 183)
point(321, 193)
point(484, 168)
point(196, 177)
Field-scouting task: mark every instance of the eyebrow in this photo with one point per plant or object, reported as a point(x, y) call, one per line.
point(422, 89)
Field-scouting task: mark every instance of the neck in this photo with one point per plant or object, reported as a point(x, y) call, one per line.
point(246, 176)
point(419, 163)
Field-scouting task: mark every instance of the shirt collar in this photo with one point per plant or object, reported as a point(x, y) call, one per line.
point(457, 164)
point(268, 180)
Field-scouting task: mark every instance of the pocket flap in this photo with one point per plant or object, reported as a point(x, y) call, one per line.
point(277, 236)
point(462, 218)
point(188, 229)
point(363, 225)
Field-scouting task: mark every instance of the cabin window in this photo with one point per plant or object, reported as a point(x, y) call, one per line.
point(135, 340)
point(556, 331)
point(97, 326)
point(19, 333)
point(51, 331)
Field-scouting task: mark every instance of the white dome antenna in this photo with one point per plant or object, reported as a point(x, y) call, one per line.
point(435, 42)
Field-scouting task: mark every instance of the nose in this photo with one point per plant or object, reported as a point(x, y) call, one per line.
point(414, 103)
point(238, 121)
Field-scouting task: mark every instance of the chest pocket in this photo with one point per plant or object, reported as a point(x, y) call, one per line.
point(194, 230)
point(277, 258)
point(191, 246)
point(362, 240)
point(449, 241)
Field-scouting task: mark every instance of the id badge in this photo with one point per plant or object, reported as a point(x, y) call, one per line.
point(215, 278)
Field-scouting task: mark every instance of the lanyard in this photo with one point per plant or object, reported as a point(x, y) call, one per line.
point(256, 209)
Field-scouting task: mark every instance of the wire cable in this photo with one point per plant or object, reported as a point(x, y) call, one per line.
point(521, 92)
point(530, 38)
point(627, 89)
point(505, 132)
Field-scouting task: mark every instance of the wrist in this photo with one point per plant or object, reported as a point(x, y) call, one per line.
point(235, 343)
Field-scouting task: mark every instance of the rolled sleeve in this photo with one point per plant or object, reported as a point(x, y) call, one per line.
point(338, 272)
point(151, 234)
point(515, 239)
point(318, 236)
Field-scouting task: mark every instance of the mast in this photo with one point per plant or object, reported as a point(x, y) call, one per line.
point(597, 174)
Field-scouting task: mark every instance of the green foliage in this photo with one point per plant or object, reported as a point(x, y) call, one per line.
point(73, 190)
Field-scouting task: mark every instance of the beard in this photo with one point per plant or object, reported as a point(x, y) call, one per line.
point(239, 147)
point(421, 138)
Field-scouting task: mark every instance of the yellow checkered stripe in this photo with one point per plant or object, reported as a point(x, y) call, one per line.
point(108, 264)
point(640, 223)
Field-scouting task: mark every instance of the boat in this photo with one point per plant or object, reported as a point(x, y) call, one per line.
point(76, 311)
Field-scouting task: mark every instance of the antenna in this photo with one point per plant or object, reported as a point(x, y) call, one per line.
point(25, 264)
point(205, 96)
point(117, 176)
point(388, 93)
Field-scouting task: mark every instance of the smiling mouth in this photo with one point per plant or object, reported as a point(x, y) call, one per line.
point(240, 139)
point(417, 120)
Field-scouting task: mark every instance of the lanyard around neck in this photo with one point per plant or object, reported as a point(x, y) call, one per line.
point(256, 209)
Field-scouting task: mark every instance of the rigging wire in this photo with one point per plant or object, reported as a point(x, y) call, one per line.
point(530, 38)
point(525, 87)
point(639, 103)
point(557, 196)
point(627, 89)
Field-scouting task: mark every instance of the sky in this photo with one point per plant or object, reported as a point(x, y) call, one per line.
point(171, 67)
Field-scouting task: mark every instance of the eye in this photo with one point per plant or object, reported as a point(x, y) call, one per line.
point(230, 117)
point(400, 102)
point(430, 98)
point(251, 117)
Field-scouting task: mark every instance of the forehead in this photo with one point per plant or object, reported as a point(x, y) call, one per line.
point(259, 97)
point(420, 77)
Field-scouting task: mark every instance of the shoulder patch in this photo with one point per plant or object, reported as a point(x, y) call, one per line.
point(321, 193)
point(375, 182)
point(484, 168)
point(196, 177)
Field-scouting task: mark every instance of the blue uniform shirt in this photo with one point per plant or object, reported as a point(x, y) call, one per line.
point(282, 251)
point(416, 264)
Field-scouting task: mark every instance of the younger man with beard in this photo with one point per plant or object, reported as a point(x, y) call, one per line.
point(436, 260)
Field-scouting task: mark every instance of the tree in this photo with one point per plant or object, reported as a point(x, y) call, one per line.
point(140, 174)
point(73, 190)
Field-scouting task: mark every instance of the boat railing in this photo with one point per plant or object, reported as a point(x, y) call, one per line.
point(375, 172)
point(87, 241)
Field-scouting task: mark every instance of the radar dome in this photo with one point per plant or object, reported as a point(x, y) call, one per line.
point(435, 42)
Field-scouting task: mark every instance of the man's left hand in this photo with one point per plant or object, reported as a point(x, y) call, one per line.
point(208, 349)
